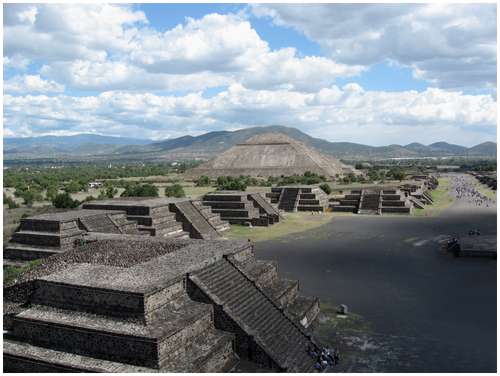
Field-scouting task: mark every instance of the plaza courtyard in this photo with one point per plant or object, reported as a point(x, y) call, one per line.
point(413, 307)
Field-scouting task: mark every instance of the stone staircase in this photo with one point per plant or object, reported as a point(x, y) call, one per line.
point(288, 200)
point(265, 208)
point(213, 218)
point(283, 340)
point(100, 223)
point(193, 221)
point(299, 198)
point(369, 202)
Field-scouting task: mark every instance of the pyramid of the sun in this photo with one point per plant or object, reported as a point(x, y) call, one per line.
point(270, 154)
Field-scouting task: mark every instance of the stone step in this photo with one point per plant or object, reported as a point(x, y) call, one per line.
point(37, 238)
point(127, 341)
point(284, 291)
point(210, 352)
point(237, 213)
point(192, 219)
point(305, 309)
point(101, 223)
point(21, 357)
point(17, 251)
point(317, 208)
point(344, 208)
point(145, 220)
point(70, 290)
point(262, 272)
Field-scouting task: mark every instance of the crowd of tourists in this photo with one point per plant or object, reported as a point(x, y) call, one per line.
point(463, 189)
point(324, 358)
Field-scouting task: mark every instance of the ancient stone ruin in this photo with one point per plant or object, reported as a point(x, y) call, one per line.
point(167, 217)
point(44, 235)
point(238, 207)
point(487, 178)
point(47, 234)
point(271, 154)
point(373, 201)
point(145, 304)
point(299, 198)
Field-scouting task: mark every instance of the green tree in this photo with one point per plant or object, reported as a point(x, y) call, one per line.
point(203, 181)
point(52, 191)
point(73, 186)
point(230, 183)
point(140, 190)
point(326, 188)
point(174, 190)
point(64, 200)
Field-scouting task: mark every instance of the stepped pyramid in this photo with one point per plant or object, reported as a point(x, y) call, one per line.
point(146, 304)
point(270, 154)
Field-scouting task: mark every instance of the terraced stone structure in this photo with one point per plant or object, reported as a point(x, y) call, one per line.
point(372, 201)
point(487, 178)
point(47, 234)
point(144, 304)
point(271, 154)
point(418, 193)
point(168, 217)
point(238, 207)
point(299, 198)
point(153, 215)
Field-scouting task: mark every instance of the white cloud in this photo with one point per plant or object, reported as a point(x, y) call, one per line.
point(31, 84)
point(218, 43)
point(348, 113)
point(451, 45)
point(57, 32)
point(104, 53)
point(119, 75)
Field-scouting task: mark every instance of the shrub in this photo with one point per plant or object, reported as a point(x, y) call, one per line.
point(203, 181)
point(174, 190)
point(326, 188)
point(138, 190)
point(64, 200)
point(230, 183)
point(9, 202)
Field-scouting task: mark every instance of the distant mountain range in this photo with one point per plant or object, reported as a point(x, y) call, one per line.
point(205, 146)
point(54, 146)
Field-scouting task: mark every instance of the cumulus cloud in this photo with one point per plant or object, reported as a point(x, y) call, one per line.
point(112, 50)
point(451, 46)
point(31, 84)
point(347, 113)
point(57, 32)
point(118, 53)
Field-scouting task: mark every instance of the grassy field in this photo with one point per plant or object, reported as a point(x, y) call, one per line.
point(442, 200)
point(291, 223)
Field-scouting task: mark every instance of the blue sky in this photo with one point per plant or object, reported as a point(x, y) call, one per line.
point(368, 73)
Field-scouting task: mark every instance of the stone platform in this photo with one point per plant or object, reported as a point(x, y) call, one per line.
point(239, 207)
point(144, 304)
point(299, 198)
point(47, 234)
point(373, 201)
point(153, 215)
point(167, 217)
